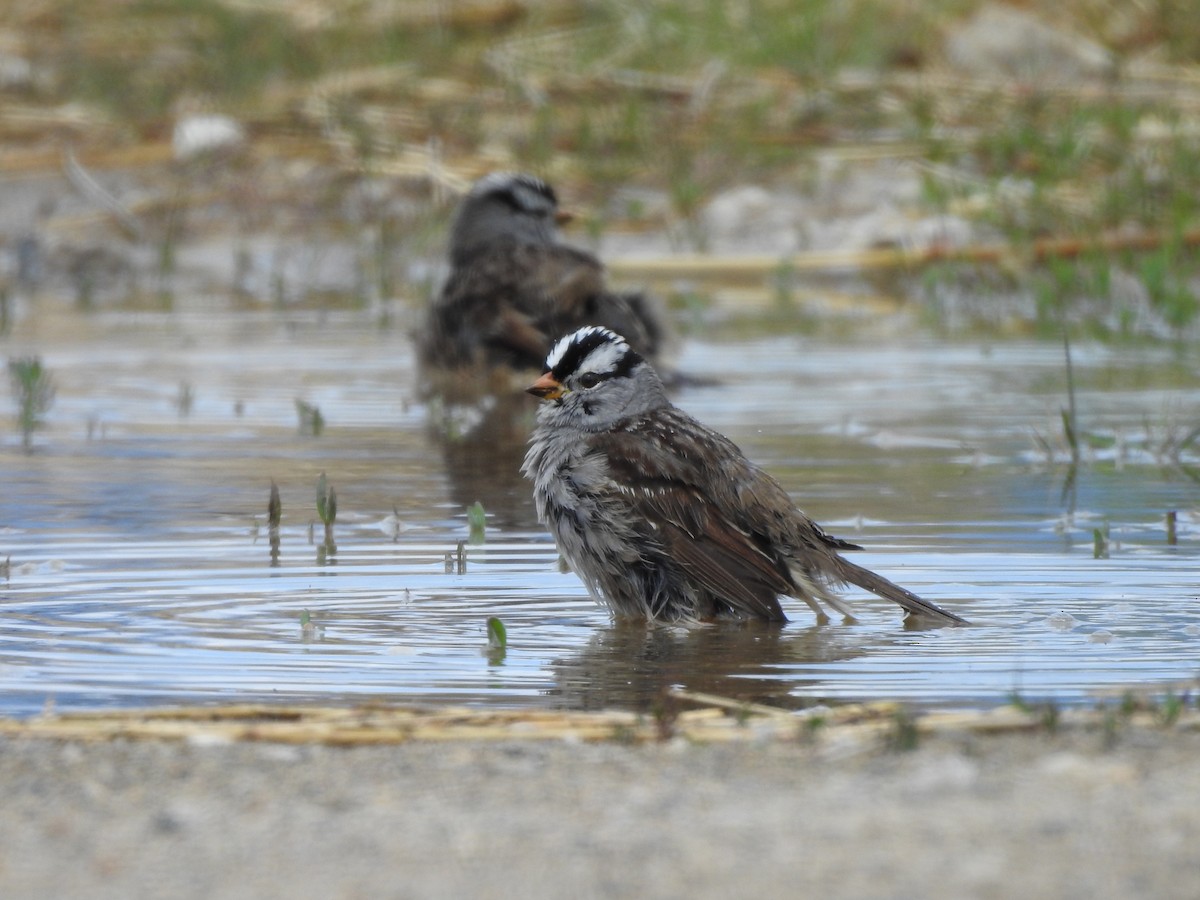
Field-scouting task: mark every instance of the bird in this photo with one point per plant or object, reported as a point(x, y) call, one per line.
point(514, 286)
point(664, 519)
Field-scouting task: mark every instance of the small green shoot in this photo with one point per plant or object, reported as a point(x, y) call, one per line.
point(274, 507)
point(309, 630)
point(1100, 542)
point(497, 634)
point(477, 519)
point(274, 516)
point(1172, 538)
point(497, 641)
point(33, 389)
point(456, 559)
point(327, 511)
point(311, 422)
point(326, 500)
point(1070, 418)
point(1068, 424)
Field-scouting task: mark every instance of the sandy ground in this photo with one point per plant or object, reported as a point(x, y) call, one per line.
point(961, 816)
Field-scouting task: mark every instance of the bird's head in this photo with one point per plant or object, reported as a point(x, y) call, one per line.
point(593, 378)
point(505, 206)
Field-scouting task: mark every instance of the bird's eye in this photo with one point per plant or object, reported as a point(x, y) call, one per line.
point(588, 380)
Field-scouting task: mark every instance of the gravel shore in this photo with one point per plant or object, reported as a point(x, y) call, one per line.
point(1068, 814)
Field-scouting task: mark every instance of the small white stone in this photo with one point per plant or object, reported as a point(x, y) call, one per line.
point(198, 134)
point(15, 71)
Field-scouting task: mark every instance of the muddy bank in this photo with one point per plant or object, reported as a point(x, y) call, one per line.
point(1076, 813)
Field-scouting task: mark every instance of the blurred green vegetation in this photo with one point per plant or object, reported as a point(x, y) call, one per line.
point(686, 97)
point(33, 391)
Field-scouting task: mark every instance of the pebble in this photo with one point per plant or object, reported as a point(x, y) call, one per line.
point(196, 135)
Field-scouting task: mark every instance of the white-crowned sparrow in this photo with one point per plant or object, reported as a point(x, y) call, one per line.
point(663, 518)
point(514, 286)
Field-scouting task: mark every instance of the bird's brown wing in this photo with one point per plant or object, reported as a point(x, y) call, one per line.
point(731, 526)
point(655, 466)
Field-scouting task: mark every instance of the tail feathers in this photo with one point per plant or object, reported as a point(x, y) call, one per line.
point(877, 584)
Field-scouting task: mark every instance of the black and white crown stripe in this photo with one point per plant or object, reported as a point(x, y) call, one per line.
point(592, 349)
point(509, 184)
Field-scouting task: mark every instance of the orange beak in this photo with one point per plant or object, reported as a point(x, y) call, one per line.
point(563, 216)
point(547, 387)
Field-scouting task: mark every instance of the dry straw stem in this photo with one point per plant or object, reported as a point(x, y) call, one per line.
point(23, 121)
point(312, 15)
point(43, 159)
point(744, 268)
point(1174, 85)
point(718, 720)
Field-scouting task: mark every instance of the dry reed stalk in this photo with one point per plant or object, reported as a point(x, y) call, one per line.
point(465, 14)
point(762, 298)
point(947, 83)
point(306, 15)
point(866, 725)
point(314, 15)
point(755, 267)
point(740, 706)
point(50, 159)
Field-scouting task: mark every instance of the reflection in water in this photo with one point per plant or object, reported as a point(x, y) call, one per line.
point(483, 445)
point(631, 666)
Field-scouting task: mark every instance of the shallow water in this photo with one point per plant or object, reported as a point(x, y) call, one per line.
point(141, 570)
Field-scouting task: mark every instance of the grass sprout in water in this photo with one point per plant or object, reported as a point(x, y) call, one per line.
point(456, 559)
point(311, 422)
point(274, 517)
point(309, 629)
point(497, 640)
point(33, 389)
point(477, 520)
point(497, 634)
point(327, 512)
